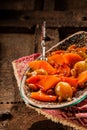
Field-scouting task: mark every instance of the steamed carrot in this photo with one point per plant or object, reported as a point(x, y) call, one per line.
point(58, 52)
point(57, 59)
point(48, 82)
point(41, 96)
point(71, 58)
point(82, 78)
point(44, 82)
point(64, 70)
point(34, 79)
point(41, 64)
point(71, 80)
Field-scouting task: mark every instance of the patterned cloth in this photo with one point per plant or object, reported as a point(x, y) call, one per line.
point(75, 116)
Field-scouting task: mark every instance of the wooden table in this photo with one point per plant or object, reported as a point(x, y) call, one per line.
point(20, 29)
point(14, 115)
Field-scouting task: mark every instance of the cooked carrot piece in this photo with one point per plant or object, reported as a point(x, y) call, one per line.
point(64, 70)
point(72, 47)
point(71, 80)
point(82, 52)
point(57, 58)
point(71, 58)
point(58, 52)
point(43, 82)
point(82, 49)
point(48, 82)
point(41, 64)
point(34, 79)
point(41, 96)
point(82, 78)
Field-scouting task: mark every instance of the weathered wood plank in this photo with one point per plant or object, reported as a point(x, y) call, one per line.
point(54, 19)
point(17, 4)
point(16, 115)
point(49, 5)
point(12, 46)
point(16, 45)
point(76, 4)
point(25, 118)
point(39, 4)
point(53, 38)
point(27, 4)
point(61, 5)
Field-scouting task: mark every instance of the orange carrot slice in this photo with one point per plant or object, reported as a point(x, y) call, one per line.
point(41, 96)
point(41, 64)
point(64, 70)
point(57, 58)
point(82, 78)
point(44, 82)
point(71, 58)
point(34, 79)
point(58, 52)
point(71, 80)
point(48, 82)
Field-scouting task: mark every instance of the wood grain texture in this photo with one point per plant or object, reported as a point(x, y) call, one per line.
point(30, 120)
point(14, 114)
point(55, 19)
point(17, 4)
point(49, 5)
point(13, 46)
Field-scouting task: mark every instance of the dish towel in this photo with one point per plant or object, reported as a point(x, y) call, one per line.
point(75, 116)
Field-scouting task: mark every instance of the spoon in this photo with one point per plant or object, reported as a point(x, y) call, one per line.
point(43, 41)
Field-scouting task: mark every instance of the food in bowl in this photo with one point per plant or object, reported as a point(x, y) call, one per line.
point(60, 77)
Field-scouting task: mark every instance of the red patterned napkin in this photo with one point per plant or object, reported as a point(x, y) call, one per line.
point(75, 116)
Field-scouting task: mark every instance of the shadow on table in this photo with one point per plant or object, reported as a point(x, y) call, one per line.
point(47, 125)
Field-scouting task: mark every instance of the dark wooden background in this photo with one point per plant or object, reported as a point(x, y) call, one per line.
point(20, 30)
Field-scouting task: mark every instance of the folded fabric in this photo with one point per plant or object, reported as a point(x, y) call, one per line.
point(75, 116)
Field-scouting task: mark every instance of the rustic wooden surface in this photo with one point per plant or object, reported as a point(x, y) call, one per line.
point(14, 115)
point(20, 30)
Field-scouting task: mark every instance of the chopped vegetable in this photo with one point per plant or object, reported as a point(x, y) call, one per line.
point(33, 87)
point(44, 82)
point(57, 58)
point(71, 58)
point(82, 78)
point(48, 82)
point(41, 64)
point(79, 67)
point(64, 70)
point(41, 96)
point(60, 77)
point(71, 80)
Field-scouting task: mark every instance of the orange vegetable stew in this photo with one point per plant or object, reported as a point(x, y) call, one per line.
point(60, 77)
